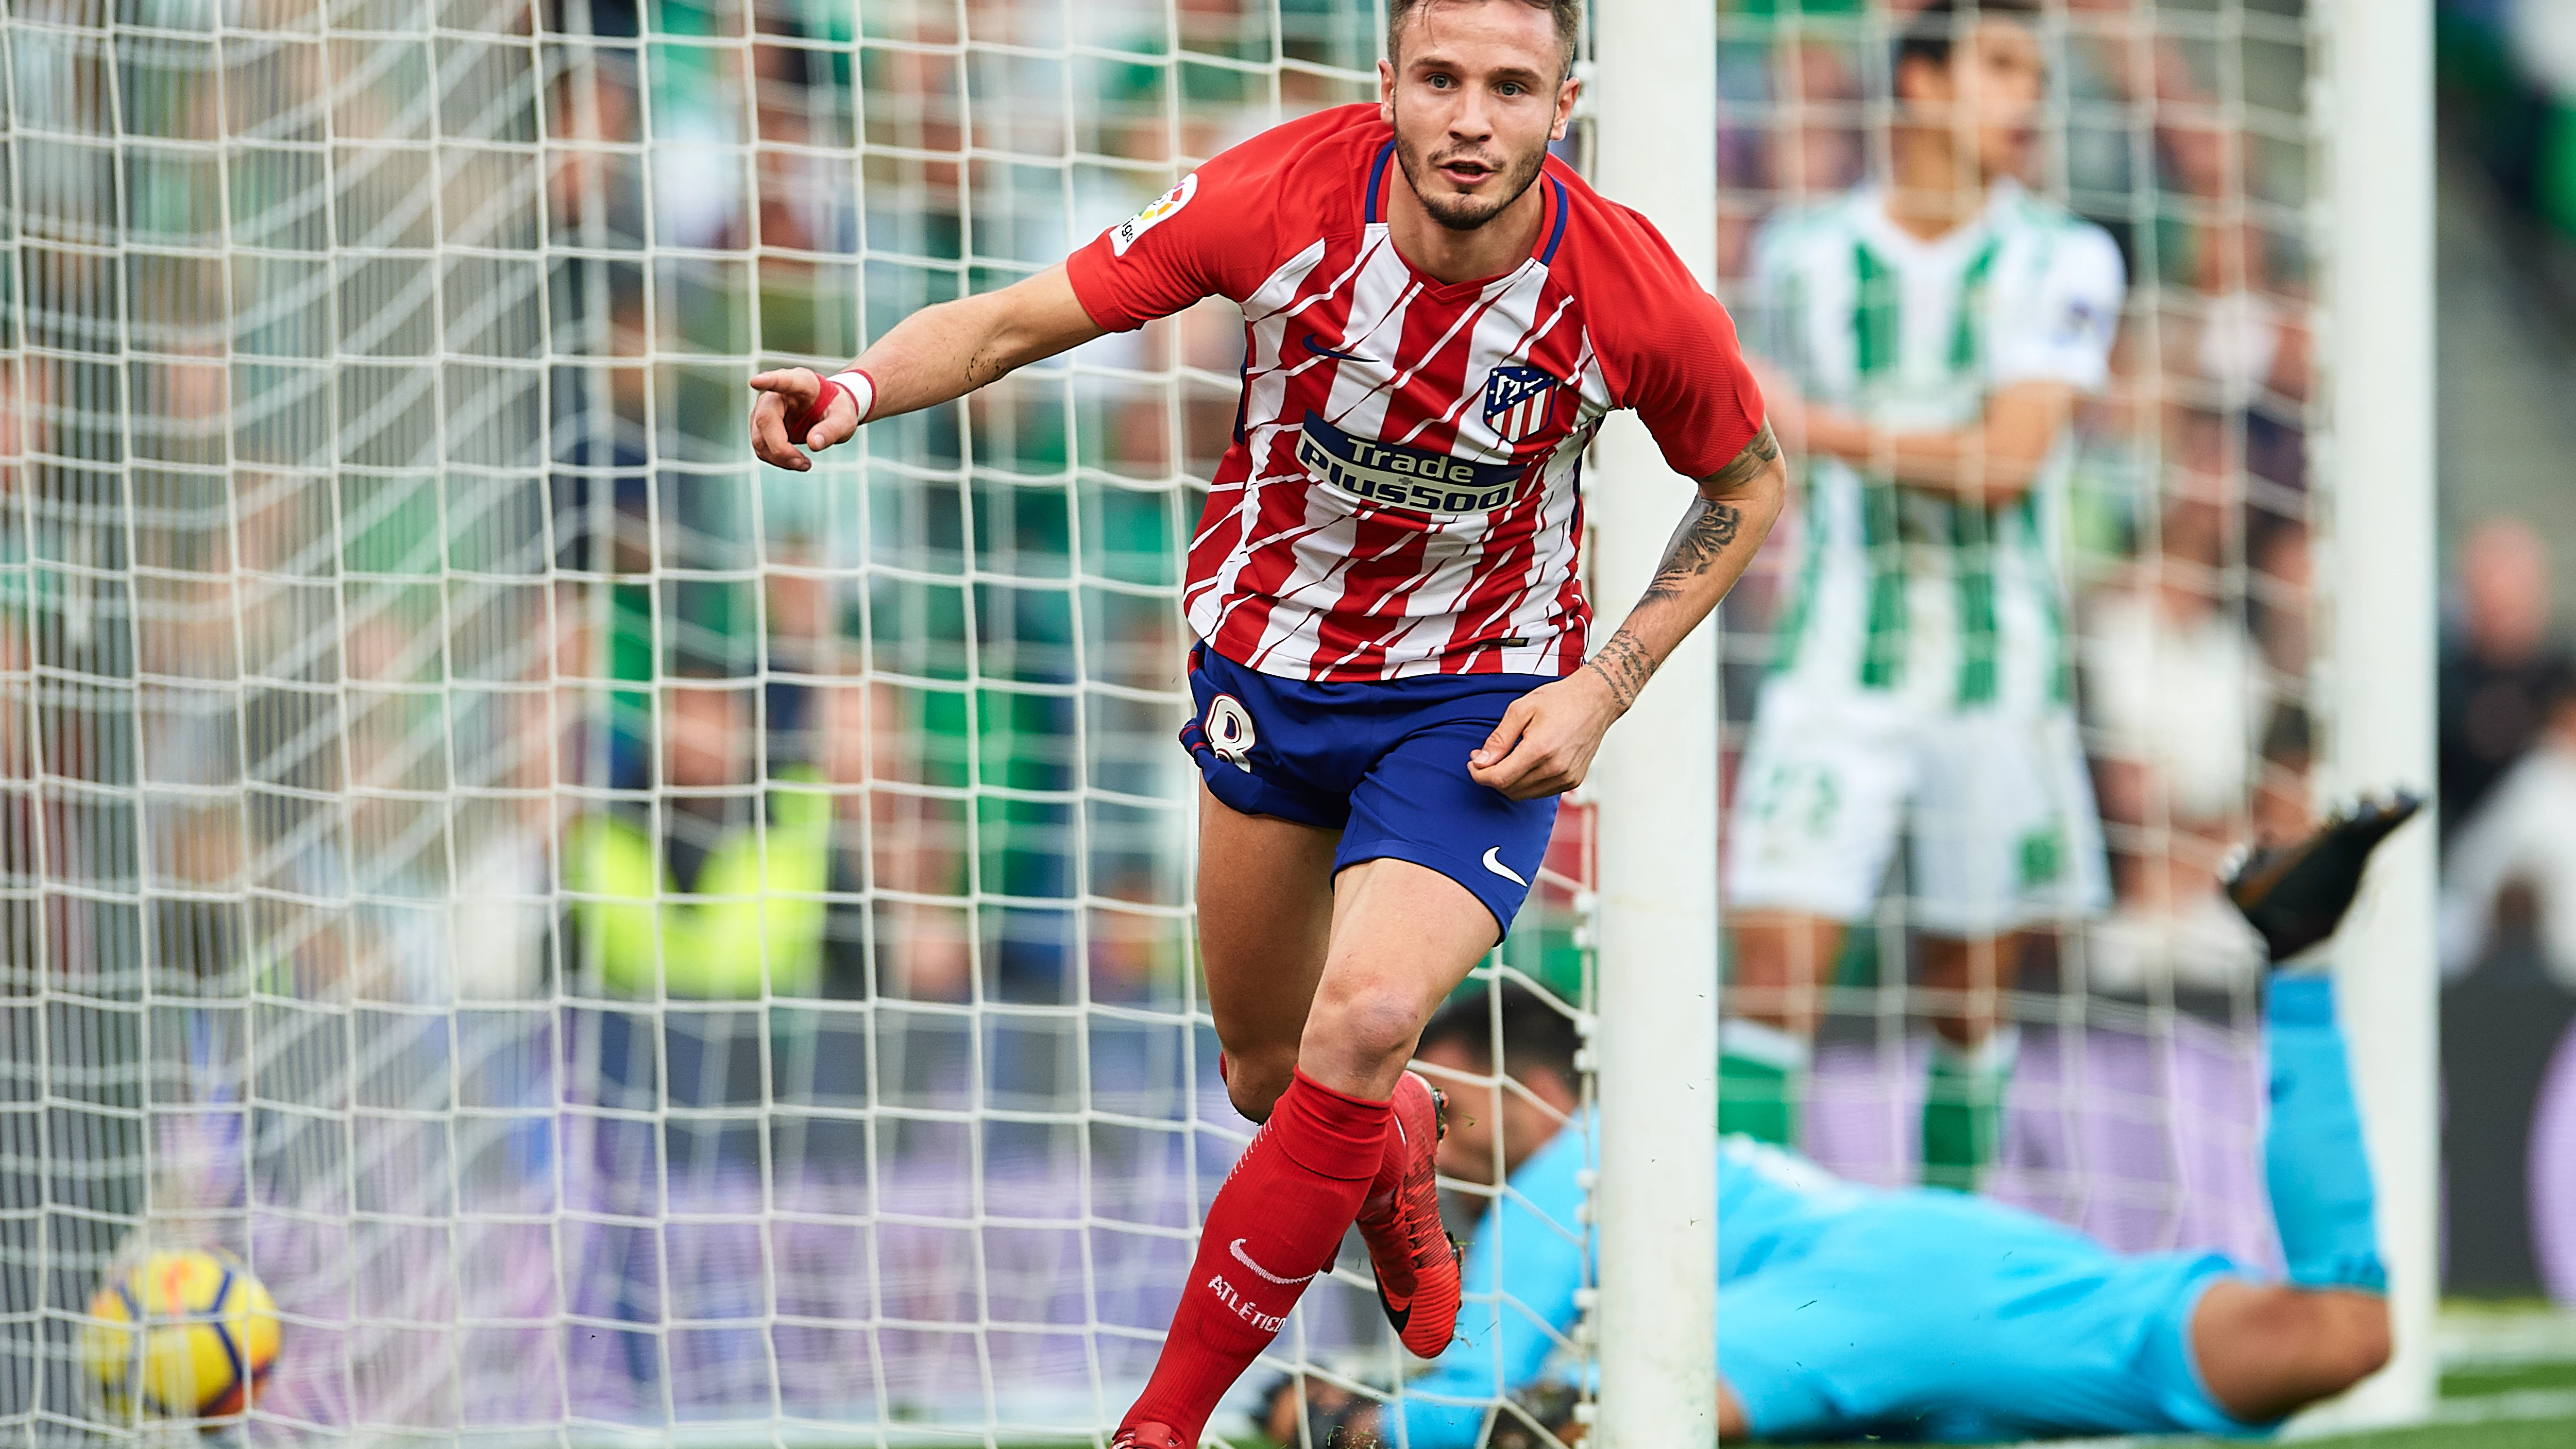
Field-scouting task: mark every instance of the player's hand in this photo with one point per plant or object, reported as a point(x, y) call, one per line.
point(784, 393)
point(1806, 428)
point(1545, 743)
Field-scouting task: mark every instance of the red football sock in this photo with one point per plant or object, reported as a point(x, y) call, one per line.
point(1395, 1156)
point(1275, 1224)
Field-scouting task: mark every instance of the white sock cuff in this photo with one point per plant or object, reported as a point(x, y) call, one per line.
point(1992, 1057)
point(1754, 1042)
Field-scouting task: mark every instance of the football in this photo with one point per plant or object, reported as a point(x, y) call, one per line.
point(180, 1334)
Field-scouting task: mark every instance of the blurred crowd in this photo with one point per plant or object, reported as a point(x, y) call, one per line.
point(2508, 73)
point(2508, 693)
point(497, 501)
point(2508, 764)
point(588, 653)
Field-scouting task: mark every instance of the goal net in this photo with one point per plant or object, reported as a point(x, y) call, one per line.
point(629, 946)
point(620, 941)
point(2183, 541)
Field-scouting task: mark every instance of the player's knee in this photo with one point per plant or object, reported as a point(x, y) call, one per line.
point(1368, 1021)
point(1254, 1080)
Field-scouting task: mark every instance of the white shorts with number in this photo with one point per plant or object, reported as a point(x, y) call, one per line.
point(1998, 806)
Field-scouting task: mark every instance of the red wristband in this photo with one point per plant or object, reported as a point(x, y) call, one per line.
point(805, 422)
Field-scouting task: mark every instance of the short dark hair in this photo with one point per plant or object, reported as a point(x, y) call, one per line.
point(1537, 1031)
point(1568, 15)
point(1931, 32)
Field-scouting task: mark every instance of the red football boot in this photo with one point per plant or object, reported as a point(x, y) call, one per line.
point(1147, 1436)
point(1415, 1258)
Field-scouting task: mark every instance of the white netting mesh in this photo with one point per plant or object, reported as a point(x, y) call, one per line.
point(620, 941)
point(2189, 525)
point(392, 625)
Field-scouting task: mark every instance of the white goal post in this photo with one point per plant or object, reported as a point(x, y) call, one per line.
point(2375, 123)
point(1654, 117)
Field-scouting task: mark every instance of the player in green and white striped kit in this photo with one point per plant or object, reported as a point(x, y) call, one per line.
point(1929, 340)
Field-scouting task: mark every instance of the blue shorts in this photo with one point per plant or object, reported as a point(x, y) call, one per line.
point(1382, 761)
point(1935, 1316)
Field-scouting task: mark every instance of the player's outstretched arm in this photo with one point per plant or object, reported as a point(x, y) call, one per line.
point(1545, 743)
point(938, 353)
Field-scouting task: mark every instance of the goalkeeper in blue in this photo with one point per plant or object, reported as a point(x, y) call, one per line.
point(1847, 1311)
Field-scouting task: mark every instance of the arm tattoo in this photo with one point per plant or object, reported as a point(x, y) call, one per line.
point(1757, 455)
point(1624, 665)
point(1707, 532)
point(1709, 529)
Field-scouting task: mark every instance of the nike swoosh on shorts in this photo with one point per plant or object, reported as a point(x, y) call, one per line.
point(1494, 863)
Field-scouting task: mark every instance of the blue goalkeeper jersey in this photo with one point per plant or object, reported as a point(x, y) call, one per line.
point(1772, 1204)
point(2032, 1327)
point(1526, 1263)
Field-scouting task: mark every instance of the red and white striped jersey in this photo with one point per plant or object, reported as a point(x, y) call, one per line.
point(1403, 496)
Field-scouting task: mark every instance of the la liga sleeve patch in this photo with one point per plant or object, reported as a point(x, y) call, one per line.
point(1162, 209)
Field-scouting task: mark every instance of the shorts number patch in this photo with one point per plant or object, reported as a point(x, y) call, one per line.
point(1776, 797)
point(1229, 731)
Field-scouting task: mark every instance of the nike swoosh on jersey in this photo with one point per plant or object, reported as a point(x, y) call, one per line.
point(1315, 345)
point(1494, 863)
point(1245, 1259)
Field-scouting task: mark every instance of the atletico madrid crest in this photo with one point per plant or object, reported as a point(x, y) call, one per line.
point(1519, 402)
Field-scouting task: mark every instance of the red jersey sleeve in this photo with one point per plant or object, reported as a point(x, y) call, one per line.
point(1210, 236)
point(1667, 348)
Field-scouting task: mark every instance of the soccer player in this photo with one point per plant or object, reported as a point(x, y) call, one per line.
point(1932, 336)
point(1392, 679)
point(1847, 1312)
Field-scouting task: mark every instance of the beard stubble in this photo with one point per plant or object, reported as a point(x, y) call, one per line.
point(1466, 213)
